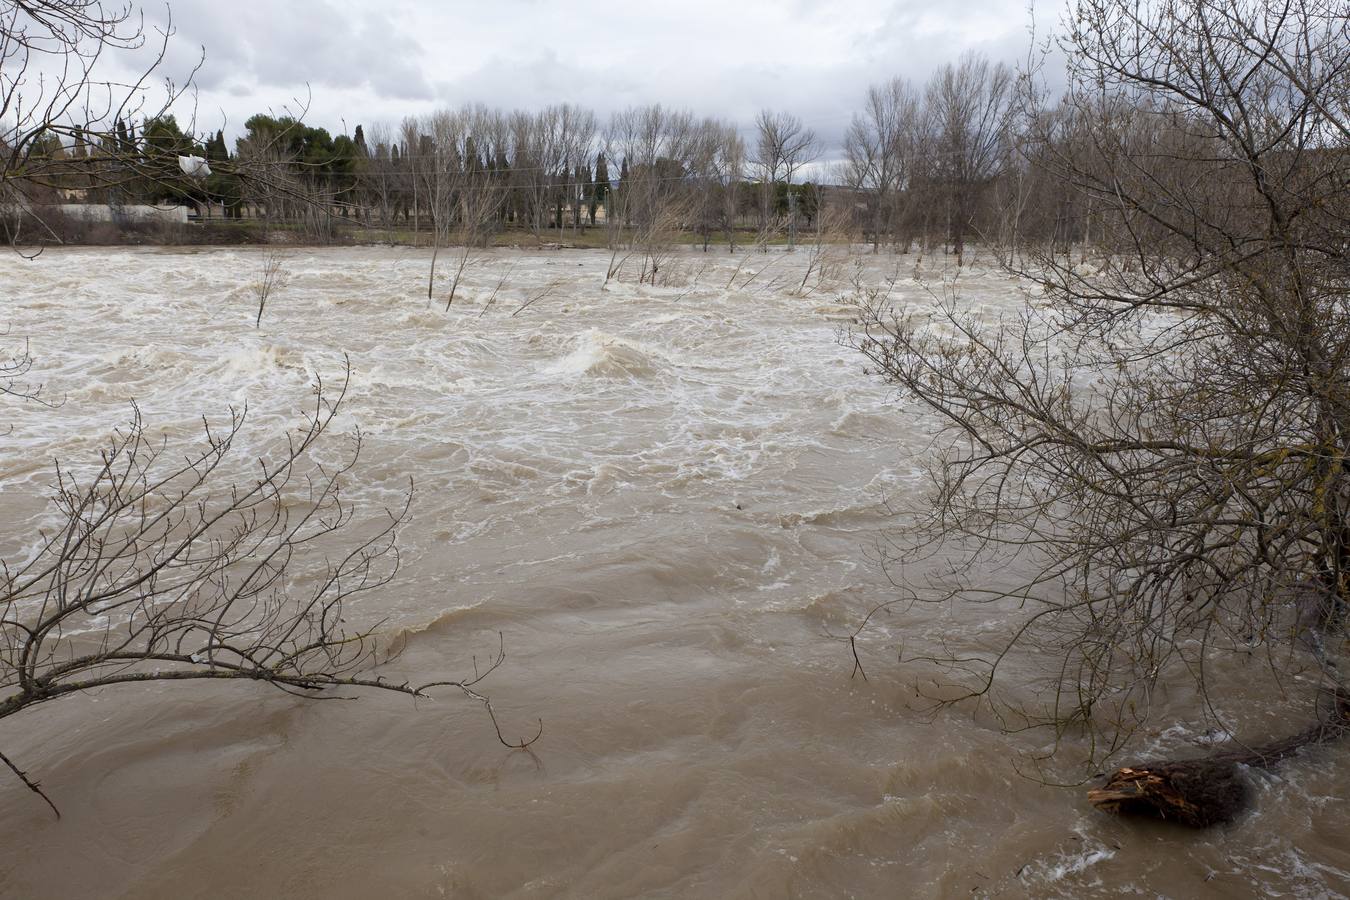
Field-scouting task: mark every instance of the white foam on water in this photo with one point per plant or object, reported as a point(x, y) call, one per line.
point(606, 356)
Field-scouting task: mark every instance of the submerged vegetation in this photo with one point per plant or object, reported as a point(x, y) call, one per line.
point(1160, 436)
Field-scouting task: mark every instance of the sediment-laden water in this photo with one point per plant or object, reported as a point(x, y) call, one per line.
point(667, 502)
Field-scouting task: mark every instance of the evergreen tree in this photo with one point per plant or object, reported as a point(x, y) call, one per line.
point(581, 194)
point(222, 187)
point(503, 179)
point(600, 190)
point(808, 203)
point(216, 151)
point(400, 194)
point(340, 167)
point(162, 142)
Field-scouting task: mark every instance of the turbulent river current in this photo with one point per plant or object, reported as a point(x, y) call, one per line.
point(667, 501)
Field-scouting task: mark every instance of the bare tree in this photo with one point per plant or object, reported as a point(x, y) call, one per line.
point(574, 143)
point(880, 151)
point(413, 164)
point(717, 166)
point(653, 200)
point(527, 164)
point(441, 167)
point(782, 146)
point(969, 106)
point(378, 177)
point(1160, 439)
point(462, 193)
point(541, 143)
point(272, 278)
point(479, 196)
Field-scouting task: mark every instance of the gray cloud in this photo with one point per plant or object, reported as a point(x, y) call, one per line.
point(323, 43)
point(364, 62)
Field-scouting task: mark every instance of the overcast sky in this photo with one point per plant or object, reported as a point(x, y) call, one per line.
point(366, 61)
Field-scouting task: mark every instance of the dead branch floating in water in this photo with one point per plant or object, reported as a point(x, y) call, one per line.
point(1211, 790)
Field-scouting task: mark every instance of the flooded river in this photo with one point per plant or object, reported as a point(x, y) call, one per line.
point(667, 501)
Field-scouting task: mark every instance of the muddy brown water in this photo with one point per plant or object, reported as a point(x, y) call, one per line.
point(666, 500)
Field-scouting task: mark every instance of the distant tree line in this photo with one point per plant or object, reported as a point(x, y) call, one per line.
point(960, 158)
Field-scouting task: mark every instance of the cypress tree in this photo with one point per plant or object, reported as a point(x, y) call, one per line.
point(507, 208)
point(600, 191)
point(582, 194)
point(622, 187)
point(216, 151)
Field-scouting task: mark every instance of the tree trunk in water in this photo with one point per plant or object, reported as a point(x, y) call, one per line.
point(1211, 790)
point(431, 275)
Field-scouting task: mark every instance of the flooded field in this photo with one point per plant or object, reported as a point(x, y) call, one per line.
point(666, 500)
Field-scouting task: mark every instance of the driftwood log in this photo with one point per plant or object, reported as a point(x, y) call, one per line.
point(1210, 790)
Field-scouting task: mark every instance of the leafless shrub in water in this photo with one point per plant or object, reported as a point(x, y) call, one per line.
point(163, 568)
point(1162, 437)
point(828, 252)
point(273, 278)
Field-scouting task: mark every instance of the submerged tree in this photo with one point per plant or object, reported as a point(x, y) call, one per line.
point(160, 567)
point(881, 150)
point(1160, 437)
point(653, 199)
point(969, 106)
point(156, 565)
